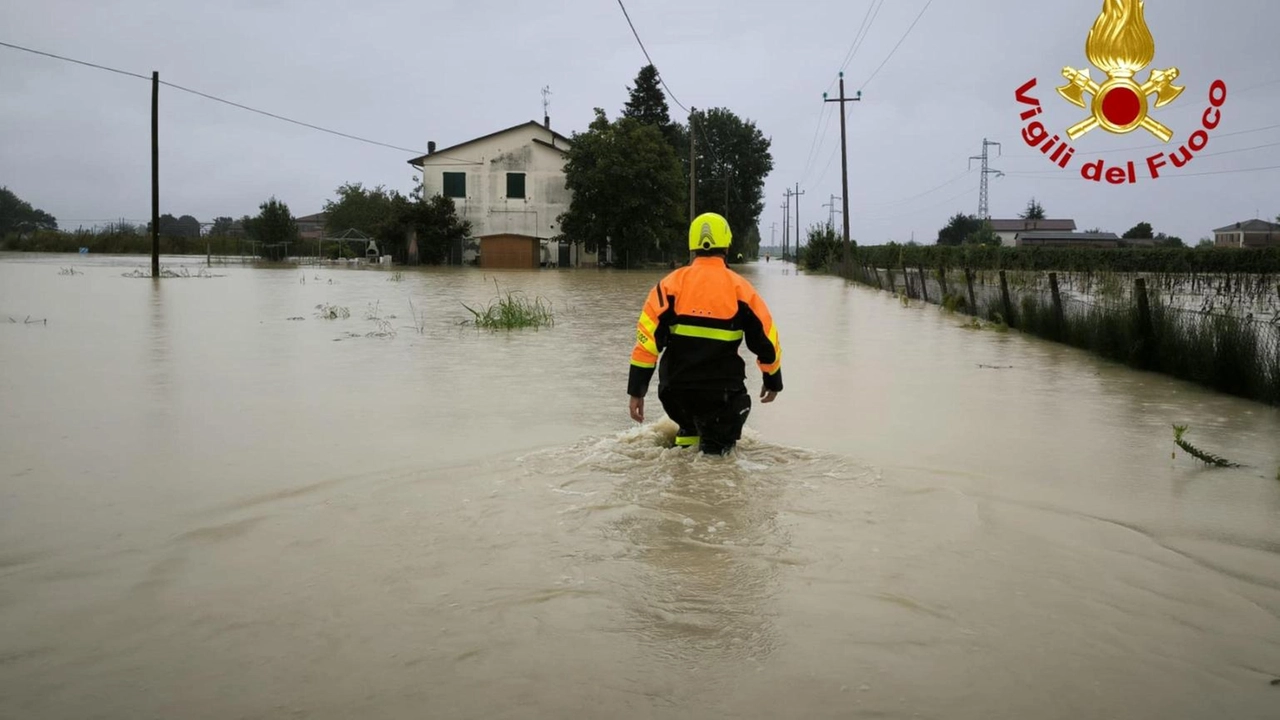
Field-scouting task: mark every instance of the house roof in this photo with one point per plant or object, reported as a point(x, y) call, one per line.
point(1051, 235)
point(1252, 226)
point(1020, 225)
point(555, 135)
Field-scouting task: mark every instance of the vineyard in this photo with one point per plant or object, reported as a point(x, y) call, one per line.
point(1208, 316)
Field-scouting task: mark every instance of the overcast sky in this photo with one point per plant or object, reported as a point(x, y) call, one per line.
point(75, 141)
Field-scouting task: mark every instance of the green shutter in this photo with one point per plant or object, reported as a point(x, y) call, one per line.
point(515, 185)
point(455, 185)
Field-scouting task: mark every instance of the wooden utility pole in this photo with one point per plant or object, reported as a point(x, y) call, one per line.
point(693, 164)
point(797, 195)
point(786, 225)
point(155, 174)
point(844, 164)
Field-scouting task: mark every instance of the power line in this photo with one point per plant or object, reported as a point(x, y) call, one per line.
point(861, 36)
point(228, 102)
point(900, 41)
point(646, 56)
point(78, 62)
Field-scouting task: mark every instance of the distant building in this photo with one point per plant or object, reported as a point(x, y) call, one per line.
point(1041, 238)
point(510, 185)
point(1248, 234)
point(1007, 230)
point(311, 227)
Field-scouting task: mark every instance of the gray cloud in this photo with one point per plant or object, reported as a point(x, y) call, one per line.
point(75, 141)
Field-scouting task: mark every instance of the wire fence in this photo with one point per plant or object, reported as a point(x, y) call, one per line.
point(1222, 331)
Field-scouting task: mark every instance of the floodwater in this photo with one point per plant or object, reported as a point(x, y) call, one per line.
point(211, 510)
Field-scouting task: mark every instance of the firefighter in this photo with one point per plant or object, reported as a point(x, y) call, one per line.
point(695, 318)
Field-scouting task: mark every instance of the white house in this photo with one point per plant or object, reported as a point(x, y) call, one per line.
point(510, 185)
point(1008, 230)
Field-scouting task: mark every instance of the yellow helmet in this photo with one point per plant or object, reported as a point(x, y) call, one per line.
point(709, 231)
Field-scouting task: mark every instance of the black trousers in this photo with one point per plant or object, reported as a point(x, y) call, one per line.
point(715, 416)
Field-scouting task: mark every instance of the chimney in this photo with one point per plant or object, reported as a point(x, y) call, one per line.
point(546, 121)
point(431, 146)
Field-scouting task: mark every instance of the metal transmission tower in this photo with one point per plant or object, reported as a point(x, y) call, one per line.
point(984, 212)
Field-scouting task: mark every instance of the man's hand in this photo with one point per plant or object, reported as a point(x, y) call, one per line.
point(767, 396)
point(637, 409)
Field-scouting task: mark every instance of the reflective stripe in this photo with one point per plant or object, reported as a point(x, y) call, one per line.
point(647, 366)
point(686, 441)
point(648, 323)
point(707, 333)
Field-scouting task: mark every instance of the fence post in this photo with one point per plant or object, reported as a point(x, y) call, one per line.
point(893, 282)
point(973, 303)
point(924, 285)
point(875, 271)
point(1008, 304)
point(906, 281)
point(1057, 306)
point(942, 280)
point(1144, 321)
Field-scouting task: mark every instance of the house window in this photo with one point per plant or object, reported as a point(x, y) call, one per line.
point(455, 185)
point(515, 185)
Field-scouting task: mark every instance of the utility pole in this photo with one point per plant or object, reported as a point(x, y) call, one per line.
point(693, 165)
point(155, 174)
point(773, 233)
point(786, 224)
point(983, 205)
point(786, 245)
point(797, 195)
point(844, 165)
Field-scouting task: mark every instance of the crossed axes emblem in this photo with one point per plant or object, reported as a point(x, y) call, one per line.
point(1160, 82)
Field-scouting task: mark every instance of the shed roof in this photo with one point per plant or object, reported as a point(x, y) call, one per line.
point(1019, 225)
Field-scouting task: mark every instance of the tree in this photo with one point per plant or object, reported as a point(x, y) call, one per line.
point(958, 229)
point(1206, 242)
point(983, 235)
point(274, 225)
point(358, 208)
point(733, 158)
point(1034, 211)
point(222, 227)
point(18, 216)
point(751, 248)
point(626, 189)
point(1163, 240)
point(821, 249)
point(1141, 231)
point(648, 104)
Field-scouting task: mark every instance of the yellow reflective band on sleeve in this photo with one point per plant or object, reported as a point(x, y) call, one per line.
point(648, 323)
point(647, 366)
point(706, 333)
point(773, 335)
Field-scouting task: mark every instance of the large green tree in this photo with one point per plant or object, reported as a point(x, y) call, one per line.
point(273, 225)
point(359, 208)
point(626, 189)
point(959, 229)
point(648, 104)
point(1141, 231)
point(18, 216)
point(434, 222)
point(732, 160)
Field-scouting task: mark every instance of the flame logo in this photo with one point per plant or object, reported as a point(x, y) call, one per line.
point(1120, 44)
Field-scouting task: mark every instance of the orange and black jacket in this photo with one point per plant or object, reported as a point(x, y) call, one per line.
point(696, 318)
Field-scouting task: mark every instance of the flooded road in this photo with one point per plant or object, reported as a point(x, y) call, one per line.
point(211, 510)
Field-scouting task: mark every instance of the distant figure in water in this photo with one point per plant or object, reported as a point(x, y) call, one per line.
point(696, 317)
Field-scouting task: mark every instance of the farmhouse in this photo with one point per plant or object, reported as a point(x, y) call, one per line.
point(1248, 234)
point(510, 185)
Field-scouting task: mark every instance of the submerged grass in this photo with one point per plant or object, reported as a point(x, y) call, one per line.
point(512, 311)
point(1207, 458)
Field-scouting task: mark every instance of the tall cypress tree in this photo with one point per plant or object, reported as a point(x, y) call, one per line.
point(647, 102)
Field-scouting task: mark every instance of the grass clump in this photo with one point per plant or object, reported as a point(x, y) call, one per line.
point(332, 312)
point(511, 311)
point(1207, 458)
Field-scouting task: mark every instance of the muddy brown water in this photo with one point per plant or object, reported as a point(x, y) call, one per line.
point(209, 510)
